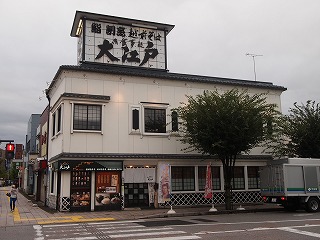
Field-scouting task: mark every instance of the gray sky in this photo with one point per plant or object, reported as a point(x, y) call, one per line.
point(211, 37)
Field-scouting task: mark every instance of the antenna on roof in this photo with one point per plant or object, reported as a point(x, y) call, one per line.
point(254, 63)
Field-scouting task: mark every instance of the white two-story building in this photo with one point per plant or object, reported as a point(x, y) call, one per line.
point(113, 137)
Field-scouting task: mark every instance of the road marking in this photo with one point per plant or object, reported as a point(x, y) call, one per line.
point(152, 233)
point(240, 223)
point(303, 214)
point(76, 238)
point(292, 230)
point(75, 219)
point(145, 234)
point(172, 238)
point(66, 219)
point(287, 229)
point(144, 229)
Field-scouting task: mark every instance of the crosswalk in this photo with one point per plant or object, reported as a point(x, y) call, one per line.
point(123, 230)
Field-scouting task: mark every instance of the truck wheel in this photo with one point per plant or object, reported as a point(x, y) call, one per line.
point(312, 205)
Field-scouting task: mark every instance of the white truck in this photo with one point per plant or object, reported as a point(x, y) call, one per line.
point(294, 183)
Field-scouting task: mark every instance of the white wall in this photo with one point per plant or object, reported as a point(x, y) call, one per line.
point(124, 91)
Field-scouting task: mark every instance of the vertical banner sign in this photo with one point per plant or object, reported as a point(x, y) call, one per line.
point(164, 183)
point(208, 187)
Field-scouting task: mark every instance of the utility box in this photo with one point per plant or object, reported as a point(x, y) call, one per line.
point(294, 183)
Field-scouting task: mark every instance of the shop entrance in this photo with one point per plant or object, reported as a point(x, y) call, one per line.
point(136, 195)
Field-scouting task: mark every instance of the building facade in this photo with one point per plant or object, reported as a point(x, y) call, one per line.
point(31, 153)
point(113, 138)
point(41, 164)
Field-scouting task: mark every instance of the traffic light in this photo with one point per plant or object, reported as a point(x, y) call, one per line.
point(9, 151)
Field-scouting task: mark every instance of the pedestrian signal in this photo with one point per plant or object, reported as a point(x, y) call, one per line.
point(9, 151)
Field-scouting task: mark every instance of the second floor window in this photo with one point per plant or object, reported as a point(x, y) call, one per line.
point(87, 117)
point(155, 120)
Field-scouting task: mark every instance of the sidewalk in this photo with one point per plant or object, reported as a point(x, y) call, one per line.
point(27, 212)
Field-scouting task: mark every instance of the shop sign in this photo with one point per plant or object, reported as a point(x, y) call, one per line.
point(74, 165)
point(123, 45)
point(111, 189)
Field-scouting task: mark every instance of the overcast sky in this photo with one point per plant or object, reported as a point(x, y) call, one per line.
point(211, 37)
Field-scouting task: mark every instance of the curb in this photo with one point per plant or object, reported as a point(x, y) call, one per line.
point(219, 212)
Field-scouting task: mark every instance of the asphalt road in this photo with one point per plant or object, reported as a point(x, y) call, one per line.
point(261, 225)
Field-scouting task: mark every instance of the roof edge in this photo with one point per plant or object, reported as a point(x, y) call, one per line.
point(114, 19)
point(156, 73)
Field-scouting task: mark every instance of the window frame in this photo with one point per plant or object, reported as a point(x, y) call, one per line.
point(216, 181)
point(56, 125)
point(238, 184)
point(86, 104)
point(59, 119)
point(52, 182)
point(155, 106)
point(184, 177)
point(253, 182)
point(131, 119)
point(174, 121)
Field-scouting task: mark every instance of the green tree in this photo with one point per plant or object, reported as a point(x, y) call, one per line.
point(225, 125)
point(3, 172)
point(298, 133)
point(13, 173)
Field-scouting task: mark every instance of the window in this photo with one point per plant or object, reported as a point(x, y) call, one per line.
point(216, 181)
point(182, 179)
point(56, 121)
point(59, 120)
point(175, 125)
point(253, 178)
point(54, 124)
point(135, 119)
point(87, 117)
point(52, 183)
point(154, 120)
point(238, 180)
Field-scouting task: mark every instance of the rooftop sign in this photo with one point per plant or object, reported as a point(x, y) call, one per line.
point(113, 40)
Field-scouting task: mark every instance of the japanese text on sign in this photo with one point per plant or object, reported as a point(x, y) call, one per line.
point(124, 45)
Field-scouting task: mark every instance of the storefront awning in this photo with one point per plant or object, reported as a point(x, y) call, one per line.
point(74, 165)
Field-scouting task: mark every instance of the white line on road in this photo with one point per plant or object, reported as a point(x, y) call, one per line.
point(77, 238)
point(240, 223)
point(145, 234)
point(287, 229)
point(115, 222)
point(144, 229)
point(172, 238)
point(292, 230)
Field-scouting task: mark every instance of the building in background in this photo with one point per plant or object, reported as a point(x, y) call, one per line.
point(31, 154)
point(113, 137)
point(41, 163)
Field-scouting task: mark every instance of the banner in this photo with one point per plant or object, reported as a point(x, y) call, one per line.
point(208, 187)
point(164, 183)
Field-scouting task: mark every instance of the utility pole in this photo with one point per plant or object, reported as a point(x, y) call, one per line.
point(254, 63)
